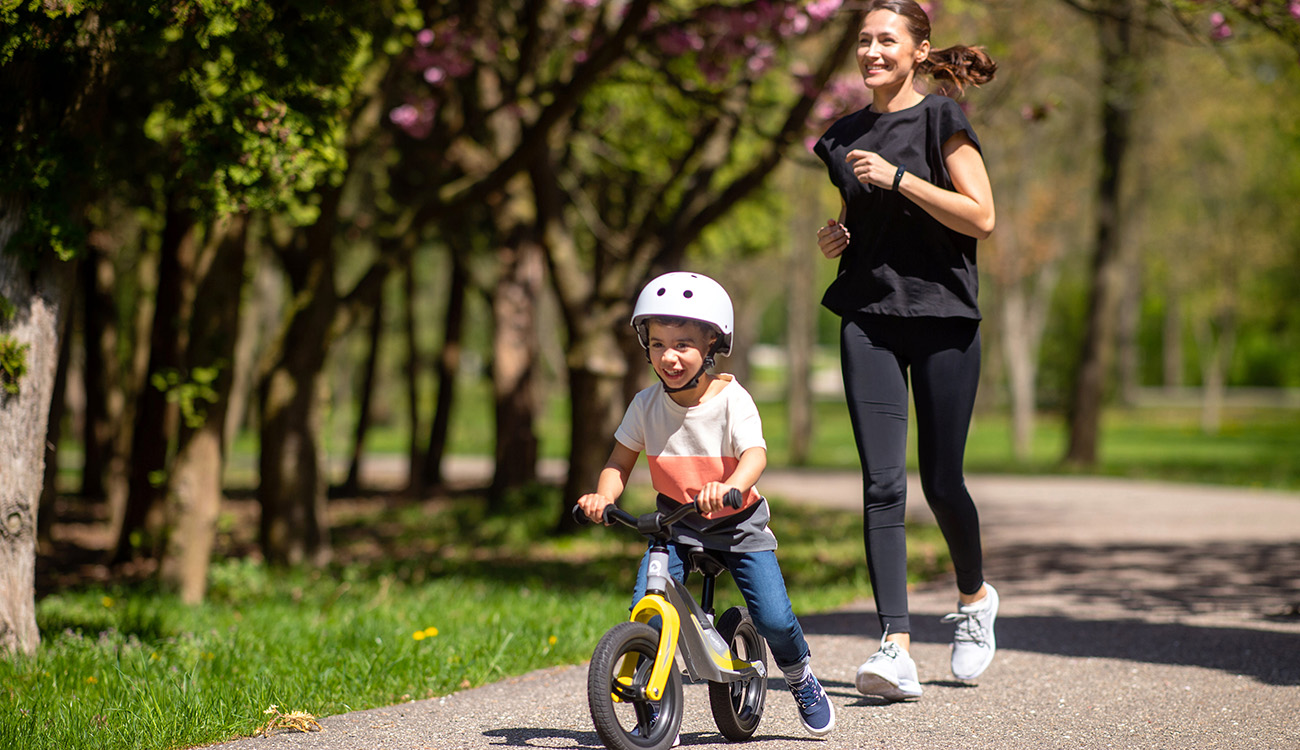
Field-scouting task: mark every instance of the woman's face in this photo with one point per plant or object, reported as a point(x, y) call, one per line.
point(887, 56)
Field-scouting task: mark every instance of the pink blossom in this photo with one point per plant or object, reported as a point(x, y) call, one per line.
point(424, 38)
point(435, 75)
point(589, 4)
point(404, 116)
point(415, 119)
point(1219, 28)
point(820, 10)
point(1294, 7)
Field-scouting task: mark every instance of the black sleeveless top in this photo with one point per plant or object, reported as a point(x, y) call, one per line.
point(900, 260)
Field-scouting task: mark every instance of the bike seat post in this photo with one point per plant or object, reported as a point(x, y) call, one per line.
point(706, 594)
point(657, 570)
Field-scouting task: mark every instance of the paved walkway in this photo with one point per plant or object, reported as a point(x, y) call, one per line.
point(1134, 615)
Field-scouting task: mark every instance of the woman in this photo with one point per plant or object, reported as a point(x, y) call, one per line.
point(915, 198)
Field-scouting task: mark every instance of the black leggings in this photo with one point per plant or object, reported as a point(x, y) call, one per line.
point(943, 355)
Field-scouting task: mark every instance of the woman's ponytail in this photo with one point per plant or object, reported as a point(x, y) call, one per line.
point(959, 65)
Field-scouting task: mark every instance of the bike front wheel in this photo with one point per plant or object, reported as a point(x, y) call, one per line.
point(738, 706)
point(632, 722)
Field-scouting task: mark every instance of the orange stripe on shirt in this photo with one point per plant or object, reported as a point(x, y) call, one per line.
point(682, 477)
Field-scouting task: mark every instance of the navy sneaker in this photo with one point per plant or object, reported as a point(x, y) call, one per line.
point(815, 708)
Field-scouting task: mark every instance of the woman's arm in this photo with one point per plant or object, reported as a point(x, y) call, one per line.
point(968, 208)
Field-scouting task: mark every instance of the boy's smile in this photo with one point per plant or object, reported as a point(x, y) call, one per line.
point(677, 351)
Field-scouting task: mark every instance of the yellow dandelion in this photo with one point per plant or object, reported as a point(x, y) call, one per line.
point(430, 632)
point(91, 680)
point(154, 656)
point(418, 635)
point(107, 601)
point(552, 640)
point(209, 656)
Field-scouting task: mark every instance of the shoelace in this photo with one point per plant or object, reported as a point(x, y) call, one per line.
point(969, 627)
point(808, 693)
point(888, 650)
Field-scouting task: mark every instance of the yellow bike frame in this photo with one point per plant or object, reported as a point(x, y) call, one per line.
point(651, 606)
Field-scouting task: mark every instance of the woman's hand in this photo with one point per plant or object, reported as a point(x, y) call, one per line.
point(593, 504)
point(833, 239)
point(870, 169)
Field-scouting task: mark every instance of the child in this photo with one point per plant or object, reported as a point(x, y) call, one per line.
point(702, 437)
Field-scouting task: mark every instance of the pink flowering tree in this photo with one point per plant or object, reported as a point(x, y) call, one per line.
point(605, 138)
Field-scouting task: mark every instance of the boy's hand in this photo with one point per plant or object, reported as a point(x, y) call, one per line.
point(593, 504)
point(711, 497)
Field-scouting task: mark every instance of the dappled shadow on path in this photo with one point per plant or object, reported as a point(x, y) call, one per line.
point(1153, 603)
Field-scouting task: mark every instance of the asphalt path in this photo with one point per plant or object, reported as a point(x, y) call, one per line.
point(1133, 615)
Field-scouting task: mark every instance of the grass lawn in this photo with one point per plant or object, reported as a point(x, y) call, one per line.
point(423, 599)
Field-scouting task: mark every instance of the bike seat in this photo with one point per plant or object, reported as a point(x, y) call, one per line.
point(707, 562)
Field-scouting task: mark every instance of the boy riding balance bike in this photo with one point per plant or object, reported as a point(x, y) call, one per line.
point(703, 440)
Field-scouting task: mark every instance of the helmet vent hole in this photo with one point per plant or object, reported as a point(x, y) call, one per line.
point(661, 291)
point(688, 294)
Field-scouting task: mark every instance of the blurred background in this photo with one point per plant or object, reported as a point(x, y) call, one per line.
point(304, 253)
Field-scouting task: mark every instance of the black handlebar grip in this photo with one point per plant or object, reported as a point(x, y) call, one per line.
point(733, 498)
point(580, 516)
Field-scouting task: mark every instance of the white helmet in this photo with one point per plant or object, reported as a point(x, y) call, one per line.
point(686, 295)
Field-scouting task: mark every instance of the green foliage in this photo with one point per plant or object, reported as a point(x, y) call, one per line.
point(13, 364)
point(191, 391)
point(233, 106)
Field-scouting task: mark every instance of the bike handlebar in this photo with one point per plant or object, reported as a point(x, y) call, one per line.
point(653, 522)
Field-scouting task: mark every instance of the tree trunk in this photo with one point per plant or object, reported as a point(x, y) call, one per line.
point(414, 456)
point(1216, 339)
point(117, 478)
point(54, 430)
point(292, 492)
point(514, 366)
point(194, 485)
point(447, 368)
point(1117, 31)
point(352, 485)
point(1130, 317)
point(157, 420)
point(595, 387)
point(1019, 354)
point(1171, 355)
point(39, 301)
point(801, 318)
point(102, 376)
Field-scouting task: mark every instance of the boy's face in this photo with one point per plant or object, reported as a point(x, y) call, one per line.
point(677, 351)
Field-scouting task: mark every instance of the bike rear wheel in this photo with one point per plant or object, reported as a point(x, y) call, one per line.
point(630, 723)
point(738, 706)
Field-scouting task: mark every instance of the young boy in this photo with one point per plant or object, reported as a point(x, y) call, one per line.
point(702, 436)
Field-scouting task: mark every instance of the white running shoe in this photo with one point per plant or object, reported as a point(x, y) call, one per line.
point(889, 673)
point(973, 644)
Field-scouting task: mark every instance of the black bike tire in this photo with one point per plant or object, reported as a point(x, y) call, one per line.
point(738, 706)
point(623, 639)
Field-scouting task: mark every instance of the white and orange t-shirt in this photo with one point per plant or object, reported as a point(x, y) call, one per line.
point(687, 447)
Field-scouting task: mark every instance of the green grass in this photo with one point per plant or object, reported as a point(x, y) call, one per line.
point(423, 600)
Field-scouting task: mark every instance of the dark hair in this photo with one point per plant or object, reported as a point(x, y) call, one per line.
point(958, 64)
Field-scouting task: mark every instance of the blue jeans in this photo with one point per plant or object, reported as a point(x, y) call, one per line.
point(758, 576)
